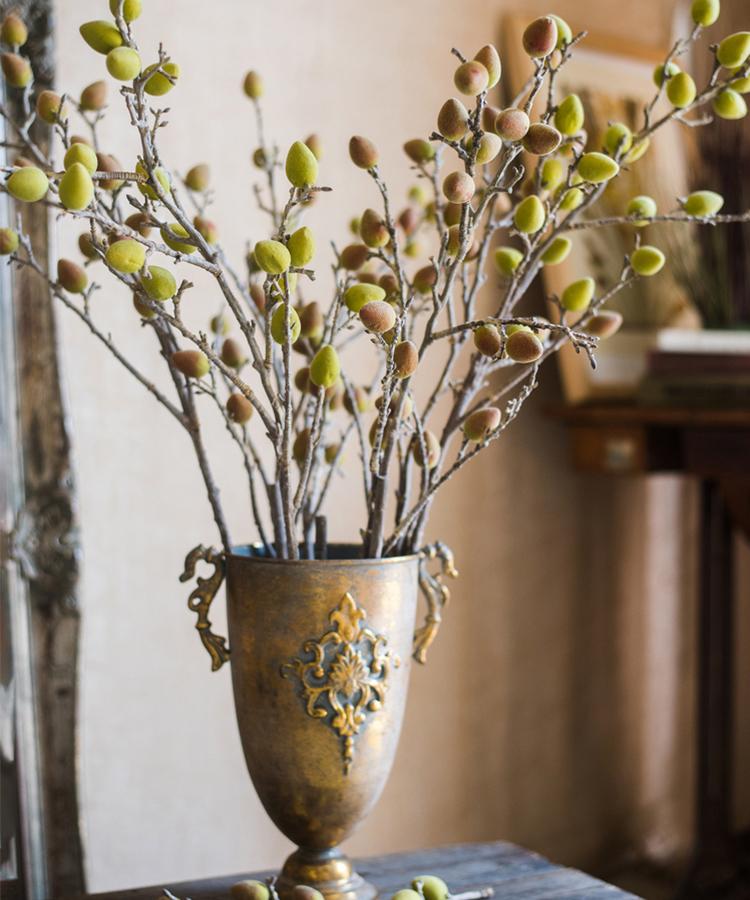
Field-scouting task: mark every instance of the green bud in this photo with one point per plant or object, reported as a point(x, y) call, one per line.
point(124, 63)
point(49, 108)
point(637, 151)
point(647, 260)
point(557, 251)
point(681, 90)
point(540, 37)
point(489, 147)
point(16, 70)
point(28, 184)
point(325, 367)
point(577, 295)
point(741, 85)
point(564, 32)
point(356, 295)
point(378, 316)
point(705, 12)
point(80, 153)
point(145, 187)
point(71, 277)
point(572, 199)
point(490, 59)
point(198, 177)
point(76, 188)
point(471, 78)
point(301, 165)
point(729, 104)
point(239, 410)
point(278, 323)
point(192, 363)
point(569, 115)
point(273, 257)
point(553, 173)
point(435, 888)
point(596, 167)
point(130, 9)
point(304, 892)
point(618, 139)
point(101, 36)
point(541, 139)
point(507, 260)
point(8, 241)
point(363, 153)
point(734, 50)
point(641, 206)
point(126, 256)
point(94, 96)
point(159, 283)
point(419, 151)
point(703, 203)
point(512, 124)
point(405, 359)
point(459, 187)
point(524, 346)
point(253, 85)
point(301, 247)
point(249, 889)
point(173, 236)
point(664, 72)
point(220, 325)
point(530, 215)
point(158, 84)
point(13, 31)
point(487, 340)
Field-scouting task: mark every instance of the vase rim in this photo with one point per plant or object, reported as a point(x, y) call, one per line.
point(340, 554)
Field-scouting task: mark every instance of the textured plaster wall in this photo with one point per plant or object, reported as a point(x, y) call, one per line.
point(557, 706)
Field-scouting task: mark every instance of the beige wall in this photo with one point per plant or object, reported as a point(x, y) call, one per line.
point(556, 707)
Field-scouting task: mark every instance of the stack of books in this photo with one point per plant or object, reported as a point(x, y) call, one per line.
point(698, 368)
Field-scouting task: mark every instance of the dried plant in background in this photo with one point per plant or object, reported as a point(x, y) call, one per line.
point(142, 220)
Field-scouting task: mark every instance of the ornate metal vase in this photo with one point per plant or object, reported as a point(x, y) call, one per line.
point(320, 654)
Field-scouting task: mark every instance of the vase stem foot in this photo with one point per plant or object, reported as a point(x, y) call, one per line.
point(328, 871)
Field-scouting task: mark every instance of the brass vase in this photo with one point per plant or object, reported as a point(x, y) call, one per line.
point(320, 653)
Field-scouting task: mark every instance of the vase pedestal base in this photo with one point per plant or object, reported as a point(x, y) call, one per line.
point(328, 871)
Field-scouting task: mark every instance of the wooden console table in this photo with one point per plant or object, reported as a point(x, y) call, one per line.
point(513, 873)
point(712, 445)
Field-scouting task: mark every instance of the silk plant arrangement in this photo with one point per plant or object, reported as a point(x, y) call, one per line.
point(505, 188)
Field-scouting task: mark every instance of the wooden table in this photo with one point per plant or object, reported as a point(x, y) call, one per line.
point(712, 445)
point(514, 873)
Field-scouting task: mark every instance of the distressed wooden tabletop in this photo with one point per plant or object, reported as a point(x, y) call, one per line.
point(514, 873)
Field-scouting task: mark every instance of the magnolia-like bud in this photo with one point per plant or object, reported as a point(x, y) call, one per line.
point(618, 139)
point(273, 257)
point(530, 215)
point(373, 229)
point(459, 187)
point(159, 283)
point(9, 241)
point(80, 153)
point(705, 12)
point(124, 63)
point(49, 108)
point(301, 246)
point(577, 295)
point(363, 152)
point(13, 31)
point(541, 139)
point(325, 367)
point(488, 340)
point(16, 70)
point(239, 408)
point(523, 346)
point(192, 363)
point(126, 256)
point(512, 124)
point(453, 120)
point(540, 37)
point(641, 206)
point(377, 316)
point(232, 355)
point(253, 85)
point(357, 295)
point(734, 50)
point(702, 203)
point(158, 84)
point(101, 36)
point(597, 167)
point(278, 324)
point(490, 59)
point(557, 251)
point(664, 72)
point(71, 277)
point(28, 184)
point(301, 165)
point(426, 455)
point(647, 260)
point(405, 359)
point(477, 427)
point(354, 256)
point(507, 260)
point(312, 321)
point(604, 323)
point(729, 104)
point(681, 90)
point(94, 96)
point(419, 151)
point(76, 189)
point(471, 78)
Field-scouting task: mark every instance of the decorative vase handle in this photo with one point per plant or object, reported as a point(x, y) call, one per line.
point(436, 594)
point(202, 596)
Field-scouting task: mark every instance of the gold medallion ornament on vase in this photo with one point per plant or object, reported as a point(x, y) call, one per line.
point(320, 654)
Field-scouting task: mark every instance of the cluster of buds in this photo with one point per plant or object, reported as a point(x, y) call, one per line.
point(509, 184)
